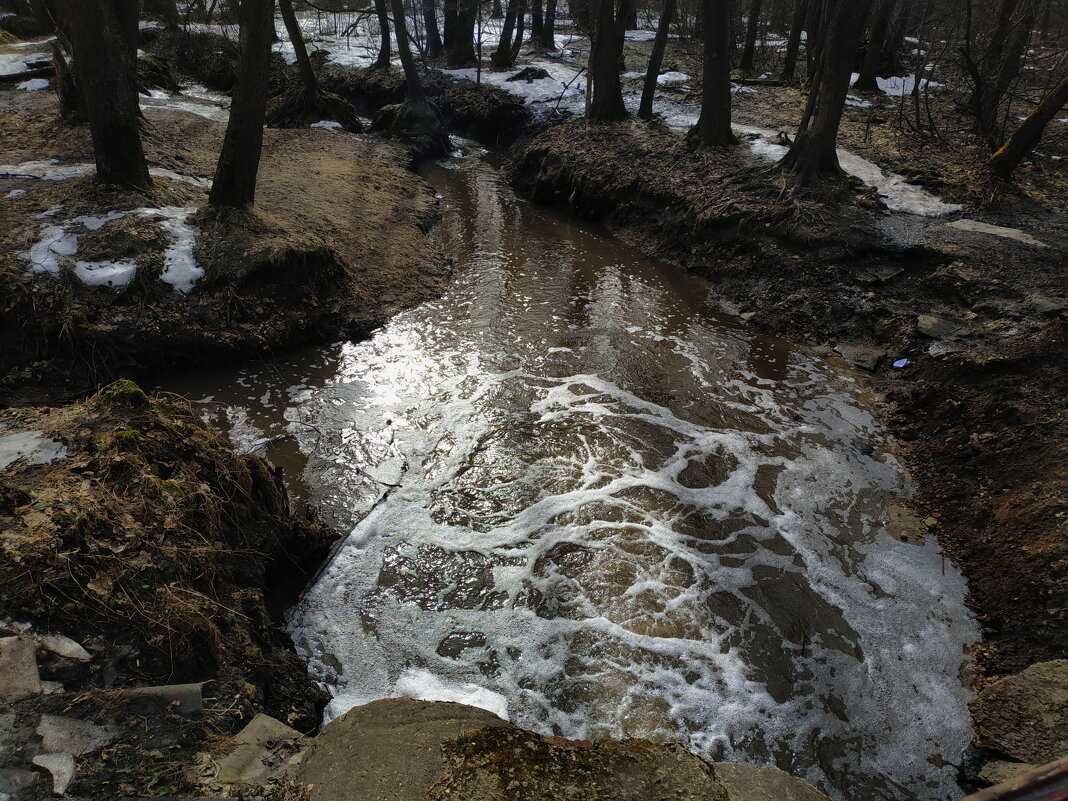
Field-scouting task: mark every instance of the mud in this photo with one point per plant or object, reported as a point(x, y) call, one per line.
point(335, 246)
point(978, 410)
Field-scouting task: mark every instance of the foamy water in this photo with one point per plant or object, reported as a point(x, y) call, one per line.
point(581, 500)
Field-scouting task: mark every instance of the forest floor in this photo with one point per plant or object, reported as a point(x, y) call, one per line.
point(336, 245)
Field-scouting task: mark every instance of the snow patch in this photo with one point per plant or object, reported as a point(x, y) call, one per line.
point(55, 243)
point(106, 273)
point(180, 268)
point(33, 85)
point(16, 193)
point(33, 446)
point(329, 125)
point(671, 78)
point(50, 170)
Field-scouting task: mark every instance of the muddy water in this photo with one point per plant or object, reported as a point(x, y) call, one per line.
point(579, 498)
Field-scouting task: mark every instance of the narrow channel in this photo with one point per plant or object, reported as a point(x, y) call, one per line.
point(580, 497)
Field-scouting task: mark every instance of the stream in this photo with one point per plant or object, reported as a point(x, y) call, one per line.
point(581, 498)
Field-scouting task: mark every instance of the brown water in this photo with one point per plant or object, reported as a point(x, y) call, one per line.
point(580, 498)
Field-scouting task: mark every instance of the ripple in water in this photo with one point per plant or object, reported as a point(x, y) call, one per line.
point(579, 501)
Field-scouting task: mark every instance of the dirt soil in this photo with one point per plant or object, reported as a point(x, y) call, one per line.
point(336, 245)
point(134, 529)
point(980, 410)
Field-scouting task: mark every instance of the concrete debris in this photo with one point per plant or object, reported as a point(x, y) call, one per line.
point(72, 736)
point(64, 646)
point(189, 697)
point(259, 752)
point(19, 678)
point(61, 766)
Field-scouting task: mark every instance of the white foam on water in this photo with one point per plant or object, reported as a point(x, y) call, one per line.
point(594, 506)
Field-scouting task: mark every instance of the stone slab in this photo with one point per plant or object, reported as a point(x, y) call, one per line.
point(19, 678)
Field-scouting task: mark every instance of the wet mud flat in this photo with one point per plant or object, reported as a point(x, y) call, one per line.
point(979, 408)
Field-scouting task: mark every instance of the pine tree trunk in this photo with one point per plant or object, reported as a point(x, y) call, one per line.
point(296, 38)
point(873, 59)
point(106, 76)
point(813, 156)
point(714, 125)
point(385, 44)
point(461, 52)
point(656, 59)
point(502, 56)
point(434, 47)
point(548, 28)
point(1024, 139)
point(607, 102)
point(749, 51)
point(793, 44)
point(239, 161)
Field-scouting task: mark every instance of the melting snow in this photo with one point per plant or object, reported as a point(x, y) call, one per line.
point(671, 78)
point(33, 85)
point(330, 125)
point(180, 268)
point(106, 273)
point(50, 170)
point(16, 192)
point(33, 446)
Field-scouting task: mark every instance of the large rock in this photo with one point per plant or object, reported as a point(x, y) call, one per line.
point(405, 750)
point(1025, 717)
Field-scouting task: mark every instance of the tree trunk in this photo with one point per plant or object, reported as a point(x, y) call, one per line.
point(656, 59)
point(607, 102)
point(448, 35)
point(296, 37)
point(1024, 139)
point(166, 11)
point(384, 40)
point(1006, 68)
point(239, 161)
point(502, 56)
point(461, 52)
point(793, 44)
point(433, 36)
point(714, 125)
point(108, 82)
point(749, 51)
point(520, 26)
point(892, 48)
point(537, 20)
point(873, 59)
point(814, 32)
point(497, 10)
point(813, 155)
point(547, 41)
point(411, 75)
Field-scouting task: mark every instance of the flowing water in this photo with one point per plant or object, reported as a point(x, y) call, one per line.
point(581, 499)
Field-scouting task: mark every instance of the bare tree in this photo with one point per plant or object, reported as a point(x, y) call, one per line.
point(502, 56)
point(384, 43)
point(607, 101)
point(1015, 22)
point(1024, 139)
point(434, 47)
point(460, 52)
point(793, 43)
point(813, 156)
point(239, 161)
point(98, 35)
point(753, 27)
point(714, 125)
point(873, 58)
point(547, 40)
point(656, 59)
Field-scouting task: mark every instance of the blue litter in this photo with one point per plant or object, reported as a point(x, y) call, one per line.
point(901, 363)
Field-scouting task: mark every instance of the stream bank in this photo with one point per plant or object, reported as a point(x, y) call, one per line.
point(979, 409)
point(99, 282)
